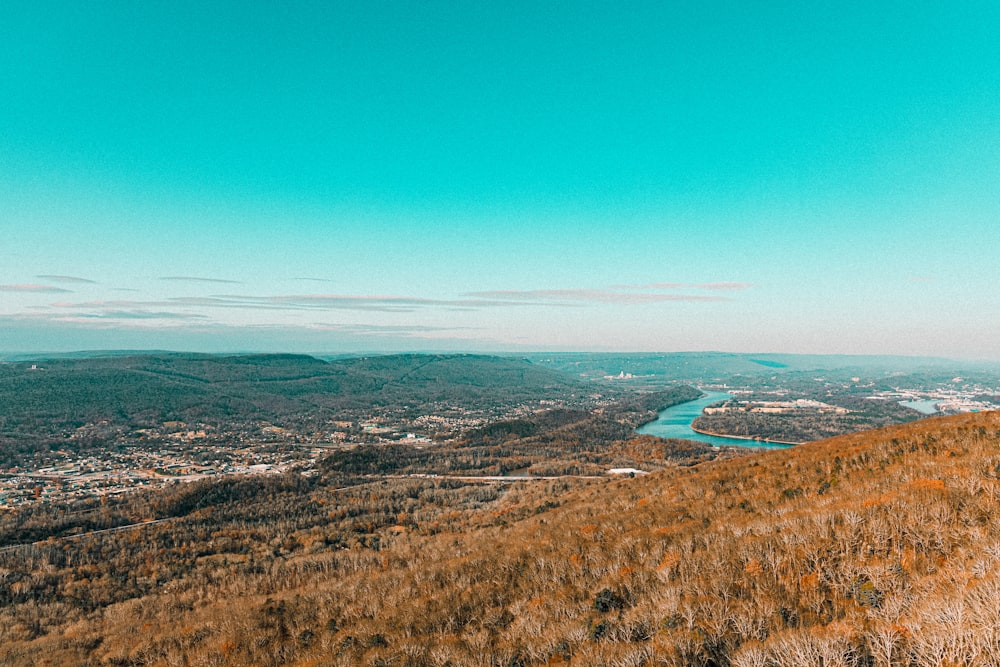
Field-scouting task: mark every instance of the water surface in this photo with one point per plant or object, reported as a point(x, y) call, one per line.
point(675, 422)
point(927, 407)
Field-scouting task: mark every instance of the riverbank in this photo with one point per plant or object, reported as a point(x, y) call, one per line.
point(675, 422)
point(744, 437)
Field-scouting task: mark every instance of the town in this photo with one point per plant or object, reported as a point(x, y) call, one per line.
point(179, 452)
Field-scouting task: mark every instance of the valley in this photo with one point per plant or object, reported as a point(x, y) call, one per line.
point(456, 509)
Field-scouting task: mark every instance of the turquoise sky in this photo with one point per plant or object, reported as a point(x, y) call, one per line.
point(771, 177)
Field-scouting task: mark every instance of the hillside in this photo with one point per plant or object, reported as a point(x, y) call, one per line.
point(879, 548)
point(43, 406)
point(210, 387)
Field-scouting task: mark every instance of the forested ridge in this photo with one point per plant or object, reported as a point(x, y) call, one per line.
point(877, 548)
point(81, 403)
point(147, 389)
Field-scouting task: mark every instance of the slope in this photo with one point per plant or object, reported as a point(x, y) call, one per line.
point(879, 548)
point(46, 403)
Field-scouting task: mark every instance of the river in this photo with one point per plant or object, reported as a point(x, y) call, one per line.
point(926, 407)
point(675, 422)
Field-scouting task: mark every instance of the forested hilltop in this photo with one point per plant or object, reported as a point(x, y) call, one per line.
point(76, 403)
point(877, 548)
point(147, 389)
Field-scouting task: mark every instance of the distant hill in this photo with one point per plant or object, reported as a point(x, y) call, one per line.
point(720, 366)
point(877, 548)
point(139, 390)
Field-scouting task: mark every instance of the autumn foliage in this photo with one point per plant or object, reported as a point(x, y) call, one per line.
point(873, 549)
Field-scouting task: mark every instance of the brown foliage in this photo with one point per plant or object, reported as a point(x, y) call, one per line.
point(870, 549)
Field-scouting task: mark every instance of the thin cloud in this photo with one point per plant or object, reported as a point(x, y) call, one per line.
point(592, 296)
point(33, 289)
point(141, 315)
point(715, 287)
point(196, 279)
point(384, 330)
point(66, 279)
point(367, 302)
point(381, 303)
point(170, 302)
point(387, 304)
point(241, 303)
point(105, 315)
point(121, 310)
point(653, 286)
point(117, 303)
point(295, 302)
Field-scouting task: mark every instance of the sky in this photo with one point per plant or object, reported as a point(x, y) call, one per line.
point(330, 177)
